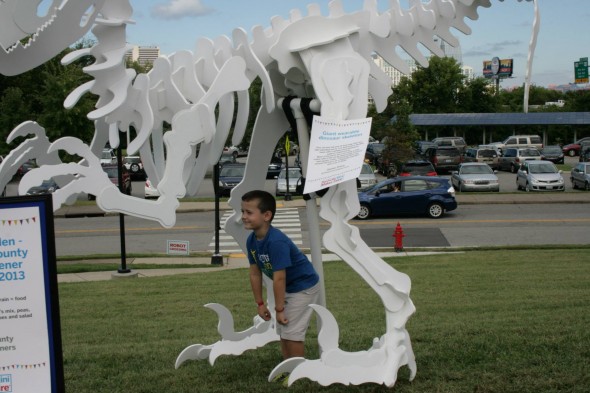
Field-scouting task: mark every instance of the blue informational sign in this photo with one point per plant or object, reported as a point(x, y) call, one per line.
point(30, 335)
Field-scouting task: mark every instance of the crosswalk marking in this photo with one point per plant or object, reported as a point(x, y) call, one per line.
point(286, 219)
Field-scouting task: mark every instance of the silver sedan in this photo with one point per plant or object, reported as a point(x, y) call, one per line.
point(475, 176)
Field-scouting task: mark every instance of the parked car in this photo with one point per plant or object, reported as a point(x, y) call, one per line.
point(367, 176)
point(388, 162)
point(226, 157)
point(236, 151)
point(112, 172)
point(514, 157)
point(150, 191)
point(432, 196)
point(580, 176)
point(229, 177)
point(420, 147)
point(488, 156)
point(516, 141)
point(46, 187)
point(493, 147)
point(294, 180)
point(475, 176)
point(553, 153)
point(373, 151)
point(108, 157)
point(134, 166)
point(451, 141)
point(573, 149)
point(25, 168)
point(444, 159)
point(539, 175)
point(417, 168)
point(293, 148)
point(584, 151)
point(275, 166)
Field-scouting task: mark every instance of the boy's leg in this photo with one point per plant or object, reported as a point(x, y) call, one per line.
point(298, 313)
point(291, 349)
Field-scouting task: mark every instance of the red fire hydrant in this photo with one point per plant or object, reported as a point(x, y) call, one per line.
point(399, 235)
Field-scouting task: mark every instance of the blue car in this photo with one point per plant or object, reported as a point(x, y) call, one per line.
point(412, 195)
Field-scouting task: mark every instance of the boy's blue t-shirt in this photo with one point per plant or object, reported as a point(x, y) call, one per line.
point(277, 252)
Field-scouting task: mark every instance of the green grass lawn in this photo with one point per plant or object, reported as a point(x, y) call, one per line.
point(486, 321)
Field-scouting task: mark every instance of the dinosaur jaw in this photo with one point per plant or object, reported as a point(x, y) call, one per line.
point(47, 36)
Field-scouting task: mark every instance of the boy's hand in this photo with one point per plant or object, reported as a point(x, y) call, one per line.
point(281, 320)
point(263, 312)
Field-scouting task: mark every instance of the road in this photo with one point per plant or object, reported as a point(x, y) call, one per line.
point(468, 226)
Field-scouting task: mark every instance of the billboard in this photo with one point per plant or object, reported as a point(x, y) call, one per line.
point(498, 68)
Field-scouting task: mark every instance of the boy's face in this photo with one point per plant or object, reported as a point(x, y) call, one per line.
point(252, 217)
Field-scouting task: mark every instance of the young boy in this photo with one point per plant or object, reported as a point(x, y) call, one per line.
point(295, 281)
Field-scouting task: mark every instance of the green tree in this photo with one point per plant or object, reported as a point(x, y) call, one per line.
point(476, 97)
point(13, 110)
point(39, 94)
point(577, 101)
point(437, 88)
point(57, 120)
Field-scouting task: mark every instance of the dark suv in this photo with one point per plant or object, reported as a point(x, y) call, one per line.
point(444, 159)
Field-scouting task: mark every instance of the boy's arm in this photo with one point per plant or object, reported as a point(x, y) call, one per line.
point(256, 284)
point(279, 284)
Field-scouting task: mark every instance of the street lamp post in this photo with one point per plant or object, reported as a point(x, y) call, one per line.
point(123, 268)
point(216, 258)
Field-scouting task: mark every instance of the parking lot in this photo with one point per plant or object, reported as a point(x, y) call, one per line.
point(508, 180)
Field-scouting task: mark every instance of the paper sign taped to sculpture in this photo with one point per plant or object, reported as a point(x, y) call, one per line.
point(336, 151)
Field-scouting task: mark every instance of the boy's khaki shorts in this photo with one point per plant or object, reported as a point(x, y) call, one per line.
point(298, 312)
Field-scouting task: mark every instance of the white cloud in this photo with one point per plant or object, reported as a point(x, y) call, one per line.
point(177, 9)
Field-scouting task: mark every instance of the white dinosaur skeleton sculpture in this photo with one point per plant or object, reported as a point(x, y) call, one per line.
point(327, 58)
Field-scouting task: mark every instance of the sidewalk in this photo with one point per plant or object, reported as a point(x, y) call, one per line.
point(232, 261)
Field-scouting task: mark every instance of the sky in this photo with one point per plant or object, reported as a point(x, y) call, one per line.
point(503, 30)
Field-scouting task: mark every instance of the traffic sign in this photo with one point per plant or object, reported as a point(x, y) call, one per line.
point(581, 70)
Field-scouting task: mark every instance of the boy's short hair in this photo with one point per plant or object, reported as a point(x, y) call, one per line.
point(266, 202)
